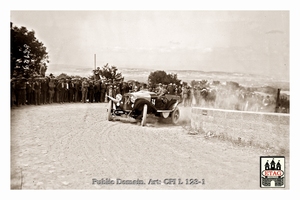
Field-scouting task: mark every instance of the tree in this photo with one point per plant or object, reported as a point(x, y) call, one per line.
point(110, 73)
point(160, 76)
point(28, 55)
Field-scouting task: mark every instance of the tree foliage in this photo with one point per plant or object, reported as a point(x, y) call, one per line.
point(110, 73)
point(160, 76)
point(28, 55)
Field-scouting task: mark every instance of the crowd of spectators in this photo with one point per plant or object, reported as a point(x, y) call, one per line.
point(48, 90)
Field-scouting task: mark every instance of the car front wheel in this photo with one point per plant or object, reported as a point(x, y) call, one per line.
point(175, 116)
point(145, 109)
point(109, 108)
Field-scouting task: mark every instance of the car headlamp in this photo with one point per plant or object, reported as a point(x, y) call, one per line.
point(132, 99)
point(119, 97)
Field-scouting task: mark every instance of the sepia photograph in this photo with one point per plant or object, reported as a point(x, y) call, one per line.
point(149, 99)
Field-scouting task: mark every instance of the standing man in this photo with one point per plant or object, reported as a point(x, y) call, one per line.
point(44, 91)
point(179, 91)
point(29, 92)
point(79, 89)
point(71, 90)
point(102, 91)
point(13, 91)
point(61, 91)
point(18, 91)
point(91, 91)
point(97, 73)
point(76, 90)
point(51, 90)
point(171, 89)
point(84, 89)
point(97, 91)
point(37, 92)
point(66, 99)
point(22, 90)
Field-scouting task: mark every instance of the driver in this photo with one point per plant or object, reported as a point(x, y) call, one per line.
point(161, 90)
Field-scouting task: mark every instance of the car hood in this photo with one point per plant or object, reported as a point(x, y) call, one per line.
point(142, 94)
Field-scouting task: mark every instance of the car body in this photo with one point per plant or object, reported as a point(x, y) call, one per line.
point(136, 105)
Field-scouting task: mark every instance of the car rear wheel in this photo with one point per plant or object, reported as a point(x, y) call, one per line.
point(175, 116)
point(144, 118)
point(109, 117)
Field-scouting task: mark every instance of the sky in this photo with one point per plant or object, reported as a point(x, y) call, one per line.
point(208, 40)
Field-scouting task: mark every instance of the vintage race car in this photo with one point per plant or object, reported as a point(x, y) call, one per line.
point(136, 105)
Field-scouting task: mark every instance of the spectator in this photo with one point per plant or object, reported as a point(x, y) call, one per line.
point(84, 89)
point(51, 90)
point(91, 91)
point(37, 91)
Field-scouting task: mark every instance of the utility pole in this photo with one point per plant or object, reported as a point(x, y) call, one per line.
point(95, 61)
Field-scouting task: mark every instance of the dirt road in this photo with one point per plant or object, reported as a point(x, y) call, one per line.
point(73, 146)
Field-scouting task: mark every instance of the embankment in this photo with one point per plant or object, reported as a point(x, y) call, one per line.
point(267, 130)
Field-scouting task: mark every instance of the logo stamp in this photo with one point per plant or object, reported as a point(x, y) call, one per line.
point(272, 172)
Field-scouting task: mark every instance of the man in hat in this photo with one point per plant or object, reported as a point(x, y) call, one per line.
point(76, 90)
point(51, 86)
point(60, 91)
point(79, 89)
point(91, 91)
point(13, 91)
point(171, 89)
point(161, 100)
point(102, 91)
point(71, 90)
point(29, 91)
point(135, 88)
point(37, 91)
point(21, 91)
point(179, 92)
point(67, 88)
point(97, 90)
point(144, 87)
point(175, 89)
point(56, 92)
point(160, 90)
point(97, 73)
point(44, 90)
point(84, 89)
point(125, 89)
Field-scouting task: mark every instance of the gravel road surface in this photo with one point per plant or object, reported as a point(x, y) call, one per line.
point(73, 146)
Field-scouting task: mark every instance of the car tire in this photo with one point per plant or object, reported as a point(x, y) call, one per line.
point(109, 108)
point(175, 116)
point(144, 117)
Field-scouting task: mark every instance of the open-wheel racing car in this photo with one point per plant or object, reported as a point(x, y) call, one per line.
point(135, 106)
